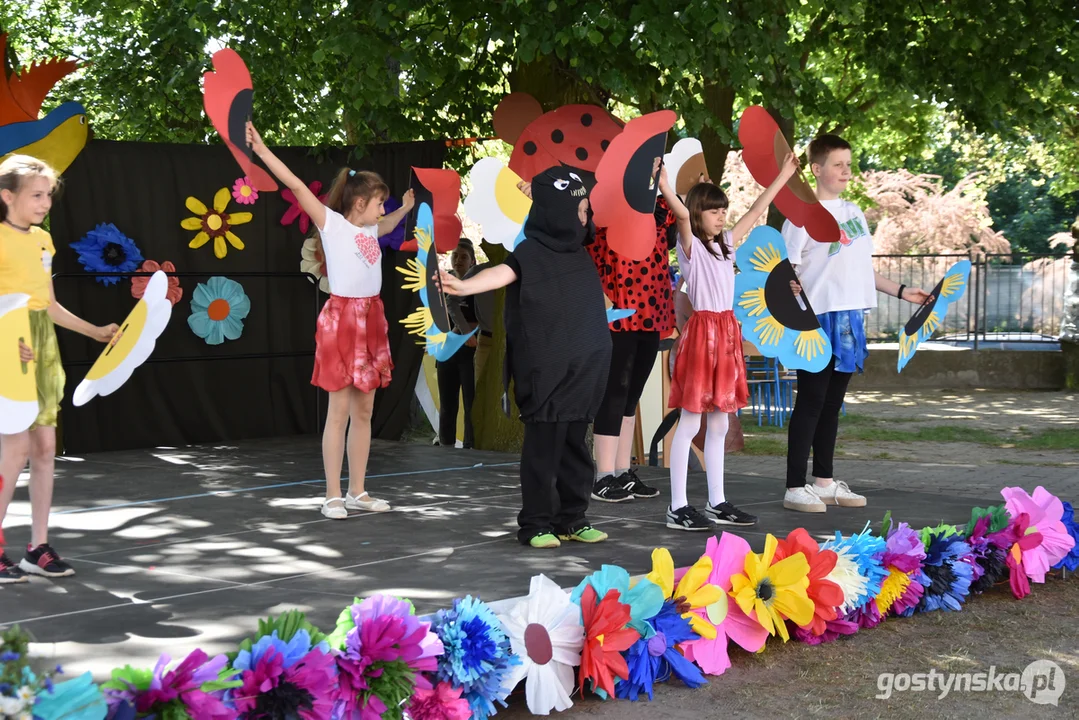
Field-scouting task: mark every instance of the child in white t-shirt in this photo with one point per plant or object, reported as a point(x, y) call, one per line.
point(841, 285)
point(352, 347)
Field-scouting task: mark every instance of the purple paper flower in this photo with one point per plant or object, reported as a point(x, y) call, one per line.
point(833, 630)
point(273, 689)
point(396, 236)
point(184, 685)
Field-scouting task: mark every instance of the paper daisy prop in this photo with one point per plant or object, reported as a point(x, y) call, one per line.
point(496, 204)
point(293, 678)
point(136, 340)
point(948, 566)
point(139, 283)
point(858, 569)
point(295, 212)
point(313, 261)
point(728, 556)
point(244, 192)
point(774, 591)
point(770, 314)
point(824, 593)
point(218, 309)
point(693, 589)
point(106, 249)
point(904, 586)
point(685, 164)
point(657, 659)
point(216, 224)
point(930, 315)
point(546, 633)
point(431, 321)
point(477, 655)
point(644, 599)
point(1046, 512)
point(18, 386)
point(606, 636)
point(1070, 562)
point(195, 688)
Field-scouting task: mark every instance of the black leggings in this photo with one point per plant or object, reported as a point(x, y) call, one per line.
point(456, 375)
point(633, 353)
point(814, 423)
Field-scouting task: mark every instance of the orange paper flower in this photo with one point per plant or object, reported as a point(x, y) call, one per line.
point(138, 284)
point(606, 637)
point(825, 594)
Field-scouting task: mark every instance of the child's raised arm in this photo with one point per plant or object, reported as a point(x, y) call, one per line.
point(746, 222)
point(678, 209)
point(387, 224)
point(492, 278)
point(308, 202)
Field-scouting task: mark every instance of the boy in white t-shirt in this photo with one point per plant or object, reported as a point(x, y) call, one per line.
point(841, 285)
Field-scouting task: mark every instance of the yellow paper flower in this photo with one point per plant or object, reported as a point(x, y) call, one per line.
point(214, 223)
point(693, 586)
point(775, 592)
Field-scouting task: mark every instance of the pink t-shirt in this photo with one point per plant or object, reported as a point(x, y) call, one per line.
point(353, 257)
point(709, 279)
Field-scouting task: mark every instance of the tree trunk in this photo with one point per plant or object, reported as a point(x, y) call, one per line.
point(551, 84)
point(719, 100)
point(1069, 328)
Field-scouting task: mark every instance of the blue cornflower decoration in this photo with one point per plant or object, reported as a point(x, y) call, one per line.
point(949, 566)
point(657, 658)
point(867, 550)
point(9, 656)
point(1070, 562)
point(477, 656)
point(106, 249)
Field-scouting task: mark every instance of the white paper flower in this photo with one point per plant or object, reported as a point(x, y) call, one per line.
point(495, 203)
point(685, 164)
point(139, 334)
point(18, 388)
point(313, 261)
point(546, 633)
point(847, 576)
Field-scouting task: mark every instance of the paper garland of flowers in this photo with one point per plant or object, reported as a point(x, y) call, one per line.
point(138, 283)
point(930, 315)
point(218, 309)
point(106, 249)
point(215, 224)
point(295, 213)
point(135, 342)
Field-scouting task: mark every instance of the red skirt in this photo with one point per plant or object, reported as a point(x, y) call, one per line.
point(352, 345)
point(709, 370)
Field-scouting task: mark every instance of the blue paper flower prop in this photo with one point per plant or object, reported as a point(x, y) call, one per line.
point(477, 654)
point(293, 678)
point(218, 309)
point(1070, 562)
point(949, 565)
point(657, 658)
point(106, 249)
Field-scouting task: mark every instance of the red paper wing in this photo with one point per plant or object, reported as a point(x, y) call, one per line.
point(30, 87)
point(764, 150)
point(624, 198)
point(441, 190)
point(573, 135)
point(227, 96)
point(11, 111)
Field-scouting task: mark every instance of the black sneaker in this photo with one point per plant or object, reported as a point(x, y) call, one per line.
point(635, 486)
point(727, 514)
point(43, 560)
point(10, 572)
point(608, 489)
point(688, 518)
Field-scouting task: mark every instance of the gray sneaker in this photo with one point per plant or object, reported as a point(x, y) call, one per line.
point(838, 493)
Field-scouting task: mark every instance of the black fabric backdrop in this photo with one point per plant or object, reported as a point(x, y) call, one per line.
point(190, 392)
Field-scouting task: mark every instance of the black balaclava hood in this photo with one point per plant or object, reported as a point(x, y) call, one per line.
point(553, 220)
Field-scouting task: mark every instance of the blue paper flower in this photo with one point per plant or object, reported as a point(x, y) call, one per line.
point(218, 309)
point(657, 658)
point(645, 599)
point(867, 551)
point(106, 249)
point(949, 566)
point(1070, 562)
point(477, 654)
point(291, 652)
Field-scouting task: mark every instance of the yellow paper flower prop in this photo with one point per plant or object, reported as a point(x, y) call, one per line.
point(775, 592)
point(216, 223)
point(693, 587)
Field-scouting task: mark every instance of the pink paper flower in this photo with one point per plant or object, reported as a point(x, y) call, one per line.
point(244, 192)
point(1045, 511)
point(443, 702)
point(295, 211)
point(728, 556)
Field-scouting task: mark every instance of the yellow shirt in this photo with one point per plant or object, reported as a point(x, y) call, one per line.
point(26, 264)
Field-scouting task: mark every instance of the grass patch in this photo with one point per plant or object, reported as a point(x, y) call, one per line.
point(1053, 439)
point(765, 446)
point(940, 433)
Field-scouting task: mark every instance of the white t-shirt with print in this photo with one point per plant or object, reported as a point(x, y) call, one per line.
point(353, 257)
point(839, 275)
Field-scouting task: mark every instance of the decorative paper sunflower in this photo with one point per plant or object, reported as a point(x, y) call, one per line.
point(216, 224)
point(930, 316)
point(774, 591)
point(218, 309)
point(693, 588)
point(18, 386)
point(431, 321)
point(106, 249)
point(769, 312)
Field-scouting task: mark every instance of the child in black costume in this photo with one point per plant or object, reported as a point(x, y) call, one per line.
point(558, 353)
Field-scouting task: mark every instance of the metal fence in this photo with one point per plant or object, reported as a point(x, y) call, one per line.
point(1013, 298)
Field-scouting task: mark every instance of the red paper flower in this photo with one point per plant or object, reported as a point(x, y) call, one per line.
point(1018, 538)
point(825, 594)
point(606, 637)
point(295, 211)
point(138, 284)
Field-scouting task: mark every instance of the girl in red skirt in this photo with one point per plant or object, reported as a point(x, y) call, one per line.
point(709, 370)
point(352, 349)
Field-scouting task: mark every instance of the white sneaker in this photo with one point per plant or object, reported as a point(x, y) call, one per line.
point(363, 501)
point(838, 493)
point(334, 508)
point(803, 499)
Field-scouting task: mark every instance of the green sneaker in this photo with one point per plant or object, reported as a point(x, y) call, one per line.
point(544, 541)
point(587, 534)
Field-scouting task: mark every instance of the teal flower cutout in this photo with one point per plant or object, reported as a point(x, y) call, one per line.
point(218, 309)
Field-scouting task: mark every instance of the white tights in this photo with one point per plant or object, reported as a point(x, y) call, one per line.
point(714, 445)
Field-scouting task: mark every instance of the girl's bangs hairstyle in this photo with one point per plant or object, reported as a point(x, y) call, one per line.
point(352, 185)
point(19, 168)
point(701, 198)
